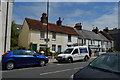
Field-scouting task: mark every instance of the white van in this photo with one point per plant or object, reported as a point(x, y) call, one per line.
point(74, 53)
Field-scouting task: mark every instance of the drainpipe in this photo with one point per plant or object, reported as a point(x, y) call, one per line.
point(6, 26)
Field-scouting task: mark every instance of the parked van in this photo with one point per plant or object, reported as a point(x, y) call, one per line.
point(74, 53)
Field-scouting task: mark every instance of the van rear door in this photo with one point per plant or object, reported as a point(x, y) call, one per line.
point(83, 52)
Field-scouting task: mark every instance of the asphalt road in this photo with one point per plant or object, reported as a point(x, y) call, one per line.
point(52, 70)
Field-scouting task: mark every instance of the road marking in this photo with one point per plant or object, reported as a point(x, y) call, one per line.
point(60, 71)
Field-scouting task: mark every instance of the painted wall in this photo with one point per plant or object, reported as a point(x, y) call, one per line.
point(3, 11)
point(24, 36)
point(61, 39)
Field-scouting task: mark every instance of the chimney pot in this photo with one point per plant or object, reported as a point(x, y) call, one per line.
point(78, 26)
point(44, 18)
point(59, 22)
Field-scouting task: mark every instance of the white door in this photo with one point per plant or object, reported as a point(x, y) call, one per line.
point(83, 52)
point(75, 54)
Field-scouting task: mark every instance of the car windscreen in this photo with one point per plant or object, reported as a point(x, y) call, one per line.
point(68, 51)
point(107, 62)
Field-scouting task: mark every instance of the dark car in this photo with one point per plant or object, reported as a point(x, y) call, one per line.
point(15, 58)
point(104, 67)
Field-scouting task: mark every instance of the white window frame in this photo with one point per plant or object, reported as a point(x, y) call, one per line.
point(53, 47)
point(53, 35)
point(42, 34)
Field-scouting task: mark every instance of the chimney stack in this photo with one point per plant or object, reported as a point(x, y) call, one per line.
point(78, 26)
point(106, 29)
point(96, 30)
point(44, 18)
point(59, 22)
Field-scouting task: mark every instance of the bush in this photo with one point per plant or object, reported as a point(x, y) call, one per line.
point(14, 48)
point(17, 48)
point(56, 54)
point(111, 50)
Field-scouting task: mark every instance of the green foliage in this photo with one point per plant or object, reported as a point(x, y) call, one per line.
point(56, 54)
point(18, 48)
point(44, 49)
point(14, 35)
point(112, 50)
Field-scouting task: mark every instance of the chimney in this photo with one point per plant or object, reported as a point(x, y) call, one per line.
point(96, 30)
point(78, 26)
point(59, 22)
point(44, 18)
point(106, 29)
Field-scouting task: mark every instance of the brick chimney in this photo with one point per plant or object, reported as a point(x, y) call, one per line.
point(78, 26)
point(106, 29)
point(44, 18)
point(96, 30)
point(59, 22)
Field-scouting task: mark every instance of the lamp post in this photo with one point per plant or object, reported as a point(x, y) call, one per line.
point(47, 28)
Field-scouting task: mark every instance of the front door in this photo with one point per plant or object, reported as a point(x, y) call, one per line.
point(34, 47)
point(59, 48)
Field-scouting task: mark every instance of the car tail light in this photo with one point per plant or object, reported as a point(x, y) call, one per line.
point(6, 53)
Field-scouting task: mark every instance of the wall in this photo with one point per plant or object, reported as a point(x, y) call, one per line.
point(61, 39)
point(3, 25)
point(24, 36)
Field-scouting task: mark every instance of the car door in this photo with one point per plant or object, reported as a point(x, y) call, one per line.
point(31, 57)
point(75, 54)
point(19, 57)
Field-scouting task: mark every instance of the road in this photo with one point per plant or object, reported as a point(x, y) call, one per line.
point(52, 70)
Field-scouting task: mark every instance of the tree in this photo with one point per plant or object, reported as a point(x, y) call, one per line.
point(14, 35)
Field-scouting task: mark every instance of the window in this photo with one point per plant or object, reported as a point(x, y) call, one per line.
point(42, 34)
point(53, 47)
point(18, 53)
point(54, 35)
point(83, 50)
point(69, 38)
point(68, 50)
point(29, 53)
point(75, 51)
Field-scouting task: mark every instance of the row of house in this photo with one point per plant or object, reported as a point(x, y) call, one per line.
point(61, 36)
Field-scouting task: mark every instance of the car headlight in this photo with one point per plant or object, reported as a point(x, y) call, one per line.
point(71, 77)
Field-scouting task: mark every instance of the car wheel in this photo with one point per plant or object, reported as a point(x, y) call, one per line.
point(86, 58)
point(42, 63)
point(69, 60)
point(10, 65)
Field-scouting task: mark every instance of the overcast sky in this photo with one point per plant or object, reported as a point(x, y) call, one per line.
point(91, 14)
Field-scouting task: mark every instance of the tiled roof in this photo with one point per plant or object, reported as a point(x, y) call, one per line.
point(36, 24)
point(85, 34)
point(107, 35)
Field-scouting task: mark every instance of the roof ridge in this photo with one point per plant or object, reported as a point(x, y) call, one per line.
point(51, 23)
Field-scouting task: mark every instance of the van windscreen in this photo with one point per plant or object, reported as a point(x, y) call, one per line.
point(83, 50)
point(68, 51)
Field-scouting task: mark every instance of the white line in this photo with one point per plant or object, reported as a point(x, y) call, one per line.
point(60, 71)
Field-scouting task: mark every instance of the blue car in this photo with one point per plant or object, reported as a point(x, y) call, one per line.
point(15, 58)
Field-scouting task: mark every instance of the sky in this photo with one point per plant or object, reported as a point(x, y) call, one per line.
point(90, 14)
